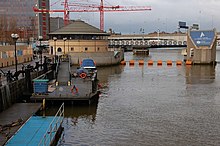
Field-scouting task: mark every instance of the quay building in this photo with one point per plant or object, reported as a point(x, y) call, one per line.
point(81, 40)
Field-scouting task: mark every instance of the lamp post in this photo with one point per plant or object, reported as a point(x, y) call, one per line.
point(158, 36)
point(64, 39)
point(55, 39)
point(40, 38)
point(15, 38)
point(69, 44)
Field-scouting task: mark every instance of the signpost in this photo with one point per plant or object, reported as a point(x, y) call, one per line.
point(202, 38)
point(183, 25)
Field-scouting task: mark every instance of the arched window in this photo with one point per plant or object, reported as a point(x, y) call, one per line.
point(59, 50)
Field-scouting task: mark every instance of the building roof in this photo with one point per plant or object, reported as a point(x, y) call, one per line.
point(78, 27)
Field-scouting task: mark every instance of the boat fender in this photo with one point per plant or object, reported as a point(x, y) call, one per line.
point(83, 75)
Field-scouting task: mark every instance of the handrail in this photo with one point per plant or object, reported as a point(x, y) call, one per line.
point(69, 68)
point(53, 127)
point(57, 67)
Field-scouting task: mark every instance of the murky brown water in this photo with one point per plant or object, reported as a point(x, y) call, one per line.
point(150, 105)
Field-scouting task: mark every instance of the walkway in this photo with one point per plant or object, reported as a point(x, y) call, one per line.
point(63, 73)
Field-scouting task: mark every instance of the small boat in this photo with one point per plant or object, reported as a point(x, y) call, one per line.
point(87, 68)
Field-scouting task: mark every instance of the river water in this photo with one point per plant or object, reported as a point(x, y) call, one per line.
point(150, 105)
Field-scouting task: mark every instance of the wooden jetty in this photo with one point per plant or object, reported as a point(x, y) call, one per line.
point(39, 130)
point(67, 87)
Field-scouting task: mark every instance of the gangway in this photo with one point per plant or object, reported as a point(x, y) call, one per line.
point(63, 70)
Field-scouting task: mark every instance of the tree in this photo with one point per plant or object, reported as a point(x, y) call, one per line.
point(7, 27)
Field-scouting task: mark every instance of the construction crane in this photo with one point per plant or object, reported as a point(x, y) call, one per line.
point(83, 7)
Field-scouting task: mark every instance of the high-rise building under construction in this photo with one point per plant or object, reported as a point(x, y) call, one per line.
point(17, 16)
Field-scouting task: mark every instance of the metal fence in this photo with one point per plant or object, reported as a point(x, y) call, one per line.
point(53, 127)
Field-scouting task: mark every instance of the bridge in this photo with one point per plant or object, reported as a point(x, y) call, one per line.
point(150, 40)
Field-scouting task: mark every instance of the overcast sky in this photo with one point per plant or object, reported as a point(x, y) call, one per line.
point(165, 15)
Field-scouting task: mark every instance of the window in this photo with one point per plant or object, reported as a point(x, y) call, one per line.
point(59, 50)
point(98, 48)
point(72, 49)
point(86, 49)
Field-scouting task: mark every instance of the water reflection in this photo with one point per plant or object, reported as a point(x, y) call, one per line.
point(200, 74)
point(105, 72)
point(76, 111)
point(150, 105)
point(79, 111)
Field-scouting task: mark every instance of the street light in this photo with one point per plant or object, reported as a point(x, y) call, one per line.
point(15, 38)
point(158, 36)
point(64, 39)
point(69, 44)
point(55, 39)
point(40, 38)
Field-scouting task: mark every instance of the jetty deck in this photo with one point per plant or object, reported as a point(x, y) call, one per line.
point(65, 92)
point(9, 119)
point(62, 89)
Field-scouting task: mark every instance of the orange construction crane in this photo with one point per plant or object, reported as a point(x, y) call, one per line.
point(83, 7)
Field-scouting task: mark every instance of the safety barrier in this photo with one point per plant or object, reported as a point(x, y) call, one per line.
point(158, 62)
point(131, 62)
point(188, 62)
point(150, 62)
point(53, 127)
point(141, 62)
point(169, 62)
point(178, 62)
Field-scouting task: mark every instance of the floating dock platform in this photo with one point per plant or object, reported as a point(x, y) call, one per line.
point(66, 87)
point(85, 87)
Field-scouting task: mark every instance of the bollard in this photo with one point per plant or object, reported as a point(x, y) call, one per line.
point(44, 107)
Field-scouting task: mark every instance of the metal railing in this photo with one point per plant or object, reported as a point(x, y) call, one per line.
point(57, 66)
point(69, 69)
point(53, 127)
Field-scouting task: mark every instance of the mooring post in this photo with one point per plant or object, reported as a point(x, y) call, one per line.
point(44, 107)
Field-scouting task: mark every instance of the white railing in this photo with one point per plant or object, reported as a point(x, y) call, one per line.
point(53, 127)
